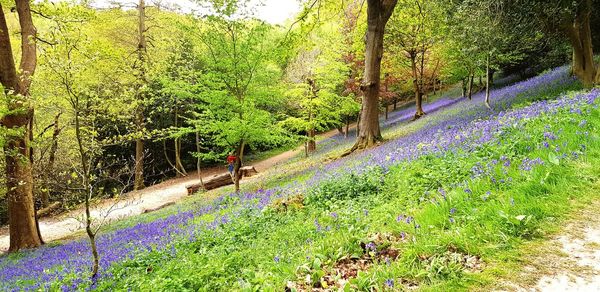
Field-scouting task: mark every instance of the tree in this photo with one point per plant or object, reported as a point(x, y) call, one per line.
point(24, 232)
point(570, 19)
point(378, 14)
point(316, 77)
point(579, 33)
point(80, 72)
point(240, 83)
point(139, 111)
point(413, 30)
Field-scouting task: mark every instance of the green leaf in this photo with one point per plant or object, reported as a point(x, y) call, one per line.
point(553, 158)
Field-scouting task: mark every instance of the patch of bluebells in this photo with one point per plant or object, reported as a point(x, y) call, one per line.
point(463, 125)
point(528, 164)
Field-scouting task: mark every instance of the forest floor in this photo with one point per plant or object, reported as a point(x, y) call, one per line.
point(149, 199)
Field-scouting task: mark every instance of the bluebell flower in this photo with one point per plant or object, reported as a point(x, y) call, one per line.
point(389, 283)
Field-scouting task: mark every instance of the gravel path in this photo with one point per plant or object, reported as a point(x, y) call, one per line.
point(569, 261)
point(153, 197)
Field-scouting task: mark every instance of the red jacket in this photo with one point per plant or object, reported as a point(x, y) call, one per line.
point(231, 159)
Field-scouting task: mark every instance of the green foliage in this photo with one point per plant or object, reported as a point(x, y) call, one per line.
point(347, 187)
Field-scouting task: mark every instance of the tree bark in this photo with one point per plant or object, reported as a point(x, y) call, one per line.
point(139, 119)
point(347, 127)
point(416, 87)
point(487, 83)
point(237, 175)
point(470, 89)
point(87, 186)
point(464, 88)
point(177, 144)
point(45, 196)
point(23, 230)
point(311, 144)
point(198, 160)
point(378, 14)
point(386, 111)
point(580, 37)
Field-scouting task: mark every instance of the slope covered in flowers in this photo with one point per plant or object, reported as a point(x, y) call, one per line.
point(460, 150)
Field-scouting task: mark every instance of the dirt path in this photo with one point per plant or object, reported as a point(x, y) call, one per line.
point(153, 197)
point(570, 261)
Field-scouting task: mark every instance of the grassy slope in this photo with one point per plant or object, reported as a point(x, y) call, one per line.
point(267, 248)
point(490, 228)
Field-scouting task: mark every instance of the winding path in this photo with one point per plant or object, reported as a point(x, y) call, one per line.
point(135, 203)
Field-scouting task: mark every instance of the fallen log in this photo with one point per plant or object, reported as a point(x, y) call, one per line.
point(219, 180)
point(248, 171)
point(158, 208)
point(46, 211)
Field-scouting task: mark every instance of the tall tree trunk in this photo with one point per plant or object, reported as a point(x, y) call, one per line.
point(347, 128)
point(23, 230)
point(464, 87)
point(177, 143)
point(178, 163)
point(487, 82)
point(580, 36)
point(470, 89)
point(85, 181)
point(311, 144)
point(139, 142)
point(239, 158)
point(416, 87)
point(198, 160)
point(358, 121)
point(387, 107)
point(45, 192)
point(395, 102)
point(378, 13)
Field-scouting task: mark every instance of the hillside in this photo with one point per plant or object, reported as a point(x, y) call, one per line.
point(447, 202)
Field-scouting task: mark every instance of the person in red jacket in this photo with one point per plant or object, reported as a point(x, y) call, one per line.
point(231, 160)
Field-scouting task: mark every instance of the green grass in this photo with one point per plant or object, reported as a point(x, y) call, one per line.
point(489, 222)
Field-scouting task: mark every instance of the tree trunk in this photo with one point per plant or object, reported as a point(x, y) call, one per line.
point(139, 142)
point(178, 164)
point(470, 89)
point(45, 192)
point(85, 181)
point(464, 88)
point(23, 229)
point(311, 143)
point(487, 83)
point(358, 121)
point(347, 127)
point(237, 175)
point(395, 102)
point(418, 96)
point(198, 160)
point(378, 13)
point(386, 111)
point(580, 36)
